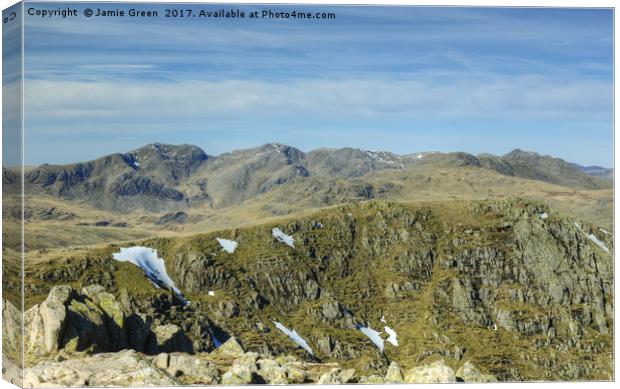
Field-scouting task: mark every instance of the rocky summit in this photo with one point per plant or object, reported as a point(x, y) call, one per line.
point(375, 292)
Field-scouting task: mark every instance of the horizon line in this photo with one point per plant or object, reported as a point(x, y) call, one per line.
point(31, 165)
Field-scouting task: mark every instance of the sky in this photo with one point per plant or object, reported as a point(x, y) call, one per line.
point(401, 79)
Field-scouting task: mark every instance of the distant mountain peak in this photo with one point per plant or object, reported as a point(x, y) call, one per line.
point(278, 147)
point(518, 153)
point(166, 147)
point(156, 152)
point(421, 154)
point(596, 171)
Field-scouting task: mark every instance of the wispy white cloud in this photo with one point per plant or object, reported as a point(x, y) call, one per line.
point(363, 39)
point(456, 98)
point(380, 71)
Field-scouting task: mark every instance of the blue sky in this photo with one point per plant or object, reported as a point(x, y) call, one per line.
point(403, 79)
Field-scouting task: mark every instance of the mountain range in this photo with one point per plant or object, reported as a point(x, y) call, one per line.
point(160, 177)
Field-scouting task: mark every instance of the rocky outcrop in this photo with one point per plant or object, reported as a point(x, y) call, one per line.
point(93, 321)
point(11, 343)
point(44, 324)
point(337, 376)
point(129, 368)
point(53, 313)
point(11, 370)
point(469, 373)
point(394, 373)
point(226, 366)
point(191, 368)
point(435, 373)
point(254, 368)
point(281, 371)
point(125, 368)
point(178, 217)
point(244, 370)
point(11, 329)
point(170, 338)
point(230, 348)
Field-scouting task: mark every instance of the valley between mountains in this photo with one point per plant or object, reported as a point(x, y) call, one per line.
point(332, 266)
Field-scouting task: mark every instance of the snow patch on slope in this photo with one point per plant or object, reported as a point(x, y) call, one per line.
point(383, 157)
point(392, 336)
point(282, 237)
point(227, 245)
point(373, 335)
point(294, 336)
point(153, 267)
point(593, 238)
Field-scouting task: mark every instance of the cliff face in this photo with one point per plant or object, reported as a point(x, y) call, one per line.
point(146, 178)
point(522, 293)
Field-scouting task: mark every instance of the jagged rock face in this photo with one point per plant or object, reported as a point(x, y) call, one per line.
point(10, 176)
point(171, 338)
point(519, 296)
point(240, 175)
point(129, 184)
point(12, 359)
point(93, 321)
point(230, 348)
point(173, 163)
point(44, 324)
point(351, 163)
point(144, 178)
point(175, 217)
